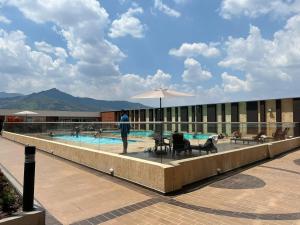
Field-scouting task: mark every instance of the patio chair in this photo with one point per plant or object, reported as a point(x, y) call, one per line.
point(236, 135)
point(161, 142)
point(283, 134)
point(179, 143)
point(209, 146)
point(279, 134)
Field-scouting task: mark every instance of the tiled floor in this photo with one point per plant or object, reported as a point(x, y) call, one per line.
point(265, 194)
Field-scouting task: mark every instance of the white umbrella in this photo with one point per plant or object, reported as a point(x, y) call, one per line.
point(161, 93)
point(26, 113)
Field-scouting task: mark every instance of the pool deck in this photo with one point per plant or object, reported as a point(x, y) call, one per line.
point(140, 148)
point(267, 193)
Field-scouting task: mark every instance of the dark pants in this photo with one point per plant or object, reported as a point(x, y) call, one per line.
point(125, 143)
point(1, 126)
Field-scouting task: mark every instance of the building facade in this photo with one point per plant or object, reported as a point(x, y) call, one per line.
point(249, 117)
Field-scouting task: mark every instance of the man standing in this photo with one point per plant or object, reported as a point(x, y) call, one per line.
point(125, 129)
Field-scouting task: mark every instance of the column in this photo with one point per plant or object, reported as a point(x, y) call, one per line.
point(219, 118)
point(204, 113)
point(173, 119)
point(228, 118)
point(190, 125)
point(165, 119)
point(258, 116)
point(243, 118)
point(287, 115)
point(179, 119)
point(147, 119)
point(271, 116)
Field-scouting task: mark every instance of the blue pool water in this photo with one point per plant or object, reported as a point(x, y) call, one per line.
point(196, 136)
point(167, 133)
point(90, 139)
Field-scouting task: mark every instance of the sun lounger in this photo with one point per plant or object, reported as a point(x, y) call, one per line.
point(257, 139)
point(207, 147)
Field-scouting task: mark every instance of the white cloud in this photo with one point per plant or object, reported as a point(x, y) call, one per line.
point(273, 63)
point(4, 20)
point(255, 8)
point(265, 58)
point(128, 24)
point(193, 72)
point(158, 4)
point(195, 49)
point(26, 69)
point(233, 84)
point(49, 49)
point(82, 24)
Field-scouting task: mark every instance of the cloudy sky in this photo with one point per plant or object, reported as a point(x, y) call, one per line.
point(219, 50)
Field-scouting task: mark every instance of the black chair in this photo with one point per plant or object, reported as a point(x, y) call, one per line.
point(161, 142)
point(179, 143)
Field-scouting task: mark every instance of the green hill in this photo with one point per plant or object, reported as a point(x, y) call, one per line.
point(55, 99)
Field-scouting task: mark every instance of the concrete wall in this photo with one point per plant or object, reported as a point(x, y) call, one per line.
point(279, 147)
point(207, 166)
point(191, 170)
point(26, 218)
point(146, 173)
point(161, 177)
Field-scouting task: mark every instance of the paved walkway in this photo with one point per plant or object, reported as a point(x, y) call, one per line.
point(264, 194)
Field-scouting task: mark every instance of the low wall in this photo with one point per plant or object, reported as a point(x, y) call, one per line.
point(36, 217)
point(143, 172)
point(160, 177)
point(199, 168)
point(279, 147)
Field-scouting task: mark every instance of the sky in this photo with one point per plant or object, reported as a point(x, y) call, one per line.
point(217, 50)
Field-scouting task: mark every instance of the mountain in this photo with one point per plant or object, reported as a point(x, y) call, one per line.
point(55, 99)
point(8, 95)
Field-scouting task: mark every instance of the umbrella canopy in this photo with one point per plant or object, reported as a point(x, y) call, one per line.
point(161, 93)
point(26, 113)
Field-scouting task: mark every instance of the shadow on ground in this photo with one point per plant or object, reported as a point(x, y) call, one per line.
point(240, 181)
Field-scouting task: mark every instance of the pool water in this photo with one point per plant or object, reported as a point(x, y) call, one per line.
point(196, 136)
point(167, 133)
point(90, 139)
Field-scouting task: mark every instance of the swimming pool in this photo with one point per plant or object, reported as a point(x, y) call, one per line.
point(90, 139)
point(149, 133)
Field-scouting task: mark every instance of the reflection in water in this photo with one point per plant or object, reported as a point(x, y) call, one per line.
point(240, 181)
